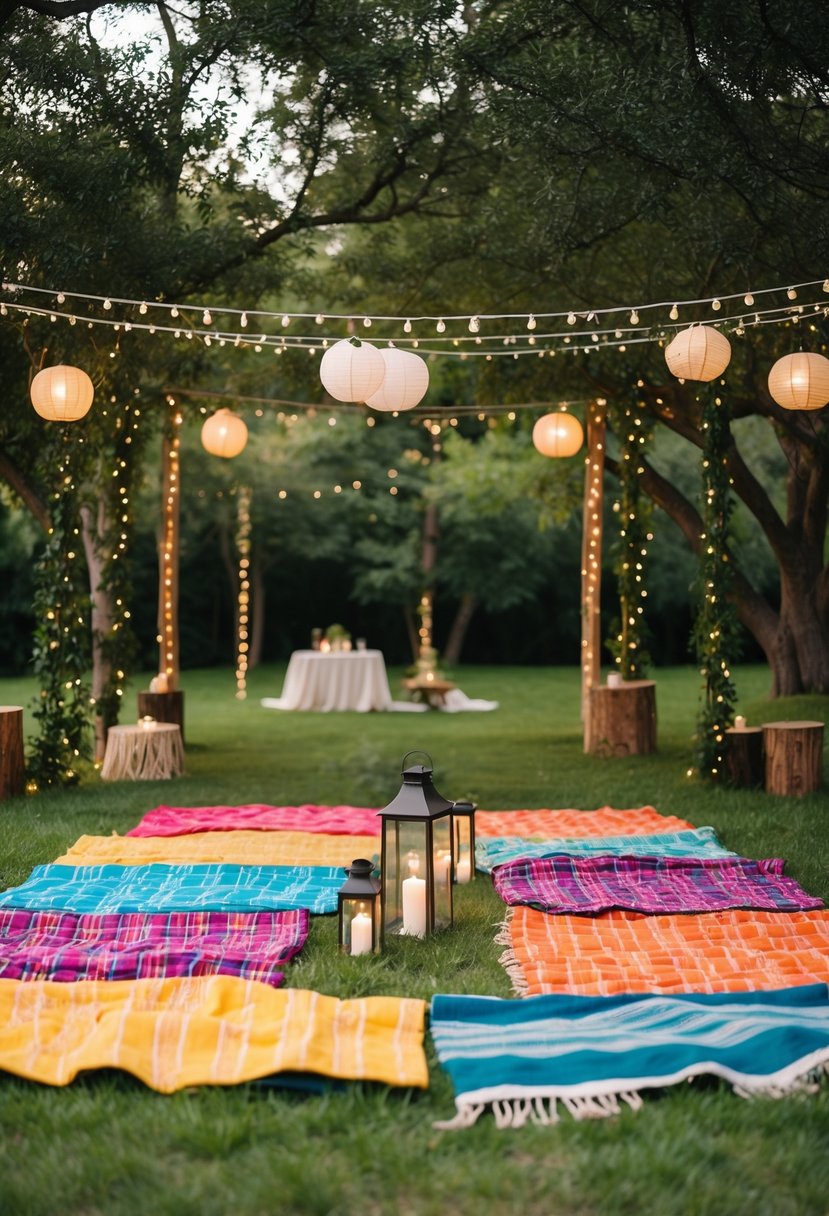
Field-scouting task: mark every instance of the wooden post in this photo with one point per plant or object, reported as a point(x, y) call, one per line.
point(622, 719)
point(794, 757)
point(163, 706)
point(12, 766)
point(591, 562)
point(744, 756)
point(168, 552)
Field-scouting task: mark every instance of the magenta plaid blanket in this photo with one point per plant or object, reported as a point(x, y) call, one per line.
point(332, 820)
point(140, 945)
point(649, 884)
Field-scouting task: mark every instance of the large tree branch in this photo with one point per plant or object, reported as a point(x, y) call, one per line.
point(60, 9)
point(12, 475)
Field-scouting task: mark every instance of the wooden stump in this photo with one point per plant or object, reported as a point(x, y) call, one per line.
point(12, 766)
point(744, 756)
point(623, 719)
point(794, 757)
point(163, 706)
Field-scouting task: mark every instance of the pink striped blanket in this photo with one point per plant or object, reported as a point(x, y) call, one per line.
point(333, 820)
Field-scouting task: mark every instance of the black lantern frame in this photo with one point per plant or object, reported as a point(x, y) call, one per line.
point(358, 910)
point(417, 861)
point(463, 837)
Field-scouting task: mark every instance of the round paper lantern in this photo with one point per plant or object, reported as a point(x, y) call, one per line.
point(224, 434)
point(62, 393)
point(351, 372)
point(800, 382)
point(405, 382)
point(698, 353)
point(558, 435)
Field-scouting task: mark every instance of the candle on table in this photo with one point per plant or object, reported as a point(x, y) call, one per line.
point(361, 934)
point(614, 680)
point(739, 722)
point(414, 900)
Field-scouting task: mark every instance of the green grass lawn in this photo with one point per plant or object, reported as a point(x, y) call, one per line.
point(108, 1145)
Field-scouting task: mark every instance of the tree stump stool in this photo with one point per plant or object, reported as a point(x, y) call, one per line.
point(622, 719)
point(164, 707)
point(744, 756)
point(12, 766)
point(794, 757)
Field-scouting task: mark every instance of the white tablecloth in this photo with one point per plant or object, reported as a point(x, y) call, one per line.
point(338, 680)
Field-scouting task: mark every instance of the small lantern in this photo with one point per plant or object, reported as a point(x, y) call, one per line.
point(698, 353)
point(351, 370)
point(224, 434)
point(62, 393)
point(463, 832)
point(416, 864)
point(358, 910)
point(405, 382)
point(800, 381)
point(558, 435)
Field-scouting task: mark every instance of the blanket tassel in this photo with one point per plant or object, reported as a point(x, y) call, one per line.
point(466, 1116)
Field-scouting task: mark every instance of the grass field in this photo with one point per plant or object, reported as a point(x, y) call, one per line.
point(107, 1145)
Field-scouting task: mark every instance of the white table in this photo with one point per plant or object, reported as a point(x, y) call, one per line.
point(354, 679)
point(138, 753)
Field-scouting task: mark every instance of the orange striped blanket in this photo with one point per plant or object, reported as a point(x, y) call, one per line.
point(639, 821)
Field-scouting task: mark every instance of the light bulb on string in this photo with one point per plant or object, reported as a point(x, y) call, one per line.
point(441, 326)
point(716, 305)
point(531, 322)
point(748, 299)
point(674, 313)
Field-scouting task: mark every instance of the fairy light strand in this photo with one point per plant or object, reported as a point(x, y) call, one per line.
point(243, 529)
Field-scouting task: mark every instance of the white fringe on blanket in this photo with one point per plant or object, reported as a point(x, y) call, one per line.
point(508, 961)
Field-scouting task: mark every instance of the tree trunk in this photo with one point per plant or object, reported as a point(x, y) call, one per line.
point(794, 757)
point(411, 630)
point(457, 633)
point(12, 774)
point(94, 527)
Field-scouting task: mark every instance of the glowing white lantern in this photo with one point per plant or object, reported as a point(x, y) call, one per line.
point(224, 434)
point(405, 382)
point(62, 393)
point(558, 435)
point(800, 382)
point(698, 353)
point(352, 371)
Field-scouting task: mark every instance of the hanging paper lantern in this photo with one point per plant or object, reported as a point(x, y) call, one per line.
point(405, 382)
point(800, 382)
point(352, 372)
point(558, 435)
point(698, 353)
point(62, 393)
point(224, 434)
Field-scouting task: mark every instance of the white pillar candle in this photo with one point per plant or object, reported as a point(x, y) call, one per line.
point(361, 933)
point(614, 680)
point(414, 906)
point(463, 870)
point(739, 722)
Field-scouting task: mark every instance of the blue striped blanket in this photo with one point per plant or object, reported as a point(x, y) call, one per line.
point(177, 888)
point(491, 851)
point(523, 1058)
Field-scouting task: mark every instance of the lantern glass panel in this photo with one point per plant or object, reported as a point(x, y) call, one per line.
point(405, 858)
point(358, 926)
point(442, 870)
point(463, 826)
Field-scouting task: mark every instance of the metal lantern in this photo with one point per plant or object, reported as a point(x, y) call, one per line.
point(698, 353)
point(62, 393)
point(352, 370)
point(558, 434)
point(417, 861)
point(224, 434)
point(405, 382)
point(463, 834)
point(800, 381)
point(358, 909)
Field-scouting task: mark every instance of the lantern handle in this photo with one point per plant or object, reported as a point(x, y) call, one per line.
point(417, 751)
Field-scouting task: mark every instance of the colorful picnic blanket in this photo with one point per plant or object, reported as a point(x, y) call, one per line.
point(491, 851)
point(177, 888)
point(332, 820)
point(524, 1058)
point(210, 1030)
point(545, 824)
point(732, 951)
point(66, 946)
point(236, 848)
point(650, 884)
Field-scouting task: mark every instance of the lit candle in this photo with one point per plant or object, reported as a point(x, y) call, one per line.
point(414, 900)
point(463, 870)
point(147, 723)
point(361, 933)
point(614, 680)
point(161, 680)
point(325, 646)
point(739, 722)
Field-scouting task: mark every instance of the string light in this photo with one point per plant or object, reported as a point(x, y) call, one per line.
point(243, 528)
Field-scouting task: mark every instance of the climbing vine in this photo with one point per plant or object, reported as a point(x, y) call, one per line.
point(715, 634)
point(628, 641)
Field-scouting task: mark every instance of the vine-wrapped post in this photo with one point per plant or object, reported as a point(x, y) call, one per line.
point(715, 628)
point(628, 638)
point(591, 559)
point(168, 552)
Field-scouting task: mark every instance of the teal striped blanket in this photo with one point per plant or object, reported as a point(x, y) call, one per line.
point(177, 888)
point(524, 1059)
point(492, 851)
